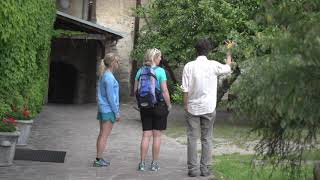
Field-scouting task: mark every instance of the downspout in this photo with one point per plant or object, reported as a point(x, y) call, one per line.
point(92, 11)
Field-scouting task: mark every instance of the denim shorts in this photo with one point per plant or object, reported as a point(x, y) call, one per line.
point(109, 116)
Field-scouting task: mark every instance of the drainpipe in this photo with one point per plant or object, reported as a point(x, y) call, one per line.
point(135, 40)
point(92, 11)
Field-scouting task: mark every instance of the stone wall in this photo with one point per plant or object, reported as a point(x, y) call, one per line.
point(117, 15)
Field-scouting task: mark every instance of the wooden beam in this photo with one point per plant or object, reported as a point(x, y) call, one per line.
point(84, 37)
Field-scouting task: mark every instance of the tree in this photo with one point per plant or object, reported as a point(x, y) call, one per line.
point(175, 26)
point(279, 91)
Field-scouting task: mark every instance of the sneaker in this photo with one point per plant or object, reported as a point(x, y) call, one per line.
point(154, 166)
point(101, 163)
point(142, 166)
point(205, 171)
point(205, 174)
point(192, 173)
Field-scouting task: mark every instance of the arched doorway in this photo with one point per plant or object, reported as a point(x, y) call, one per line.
point(62, 83)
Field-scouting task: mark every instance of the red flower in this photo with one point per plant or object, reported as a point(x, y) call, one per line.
point(26, 113)
point(11, 119)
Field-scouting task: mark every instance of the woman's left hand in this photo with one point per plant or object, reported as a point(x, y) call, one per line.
point(169, 107)
point(118, 119)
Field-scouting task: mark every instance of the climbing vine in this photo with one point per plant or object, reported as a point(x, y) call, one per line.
point(25, 32)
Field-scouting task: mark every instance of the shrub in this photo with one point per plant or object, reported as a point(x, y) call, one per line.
point(8, 125)
point(25, 32)
point(177, 94)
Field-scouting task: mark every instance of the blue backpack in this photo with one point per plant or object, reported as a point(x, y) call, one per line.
point(147, 93)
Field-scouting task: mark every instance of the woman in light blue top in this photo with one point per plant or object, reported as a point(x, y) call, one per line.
point(108, 104)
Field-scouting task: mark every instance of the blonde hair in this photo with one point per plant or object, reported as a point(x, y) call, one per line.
point(107, 62)
point(150, 56)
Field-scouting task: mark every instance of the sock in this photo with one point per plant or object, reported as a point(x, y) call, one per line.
point(98, 159)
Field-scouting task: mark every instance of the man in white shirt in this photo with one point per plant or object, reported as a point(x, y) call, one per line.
point(199, 84)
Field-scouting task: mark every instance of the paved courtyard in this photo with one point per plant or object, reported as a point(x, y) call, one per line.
point(73, 128)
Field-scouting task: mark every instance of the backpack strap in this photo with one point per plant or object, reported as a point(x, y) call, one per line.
point(150, 74)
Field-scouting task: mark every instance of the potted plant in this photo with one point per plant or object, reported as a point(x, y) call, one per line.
point(8, 139)
point(24, 124)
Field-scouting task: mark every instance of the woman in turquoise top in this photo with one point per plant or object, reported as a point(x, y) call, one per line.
point(154, 120)
point(108, 104)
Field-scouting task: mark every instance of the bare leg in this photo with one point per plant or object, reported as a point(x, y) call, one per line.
point(156, 144)
point(105, 129)
point(145, 144)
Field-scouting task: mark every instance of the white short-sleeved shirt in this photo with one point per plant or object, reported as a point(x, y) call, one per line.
point(199, 79)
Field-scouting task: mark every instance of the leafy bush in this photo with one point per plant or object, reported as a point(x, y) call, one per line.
point(20, 114)
point(25, 32)
point(8, 124)
point(177, 94)
point(279, 92)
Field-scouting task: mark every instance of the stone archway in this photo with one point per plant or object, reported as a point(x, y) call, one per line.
point(62, 83)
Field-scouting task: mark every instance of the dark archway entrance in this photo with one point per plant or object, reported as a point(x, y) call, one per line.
point(62, 83)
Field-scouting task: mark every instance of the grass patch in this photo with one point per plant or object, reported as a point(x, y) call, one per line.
point(235, 134)
point(311, 155)
point(239, 167)
point(176, 129)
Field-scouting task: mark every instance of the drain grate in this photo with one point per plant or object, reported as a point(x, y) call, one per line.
point(40, 155)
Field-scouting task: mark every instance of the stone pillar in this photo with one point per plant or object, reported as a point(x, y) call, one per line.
point(118, 15)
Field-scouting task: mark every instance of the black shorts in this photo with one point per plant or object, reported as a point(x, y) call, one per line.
point(154, 118)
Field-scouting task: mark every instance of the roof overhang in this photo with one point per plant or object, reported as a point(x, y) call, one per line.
point(93, 30)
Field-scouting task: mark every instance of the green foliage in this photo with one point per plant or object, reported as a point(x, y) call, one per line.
point(278, 52)
point(7, 124)
point(241, 167)
point(279, 92)
point(175, 26)
point(19, 114)
point(177, 94)
point(25, 32)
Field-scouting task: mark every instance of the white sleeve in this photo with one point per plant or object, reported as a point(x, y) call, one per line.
point(221, 68)
point(185, 79)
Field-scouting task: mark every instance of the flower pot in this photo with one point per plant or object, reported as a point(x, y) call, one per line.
point(8, 142)
point(24, 127)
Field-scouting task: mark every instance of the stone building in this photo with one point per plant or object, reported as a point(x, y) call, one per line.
point(74, 58)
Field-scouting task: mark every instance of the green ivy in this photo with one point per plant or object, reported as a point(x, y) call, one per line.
point(26, 29)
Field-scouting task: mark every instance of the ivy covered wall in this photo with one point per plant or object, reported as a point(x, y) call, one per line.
point(25, 32)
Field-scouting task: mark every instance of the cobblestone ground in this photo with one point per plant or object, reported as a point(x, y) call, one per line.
point(73, 128)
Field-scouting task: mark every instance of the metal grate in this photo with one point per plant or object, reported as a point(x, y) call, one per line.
point(40, 155)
